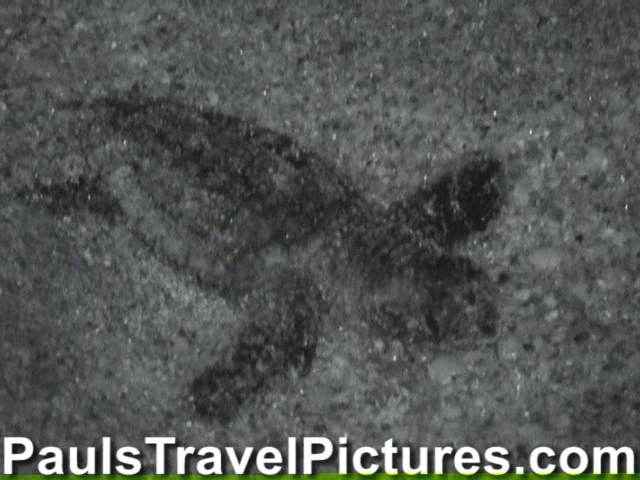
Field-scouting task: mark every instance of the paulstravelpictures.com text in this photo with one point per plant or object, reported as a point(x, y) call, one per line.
point(305, 455)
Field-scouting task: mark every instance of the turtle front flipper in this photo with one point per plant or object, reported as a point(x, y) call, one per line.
point(284, 311)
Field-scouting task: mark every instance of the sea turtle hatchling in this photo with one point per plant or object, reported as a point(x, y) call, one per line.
point(276, 230)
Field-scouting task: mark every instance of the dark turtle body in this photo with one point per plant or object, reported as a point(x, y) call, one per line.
point(269, 225)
